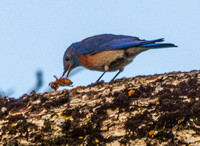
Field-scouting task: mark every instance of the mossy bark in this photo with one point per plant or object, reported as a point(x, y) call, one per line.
point(155, 110)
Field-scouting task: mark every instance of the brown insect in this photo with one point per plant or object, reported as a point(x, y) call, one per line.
point(60, 82)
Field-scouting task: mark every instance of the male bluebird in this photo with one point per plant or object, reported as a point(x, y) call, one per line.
point(107, 52)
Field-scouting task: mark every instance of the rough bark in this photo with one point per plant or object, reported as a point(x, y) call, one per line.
point(145, 110)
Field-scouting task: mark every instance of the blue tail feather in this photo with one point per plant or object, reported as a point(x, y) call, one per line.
point(158, 45)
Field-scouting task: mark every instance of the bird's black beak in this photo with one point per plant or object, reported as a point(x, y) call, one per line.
point(68, 70)
point(64, 73)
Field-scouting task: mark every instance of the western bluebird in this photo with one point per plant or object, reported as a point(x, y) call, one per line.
point(107, 52)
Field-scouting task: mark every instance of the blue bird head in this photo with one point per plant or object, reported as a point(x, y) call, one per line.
point(70, 58)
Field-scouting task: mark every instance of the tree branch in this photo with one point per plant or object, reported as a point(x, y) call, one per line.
point(159, 109)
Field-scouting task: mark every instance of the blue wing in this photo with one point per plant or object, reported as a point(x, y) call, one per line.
point(100, 43)
point(105, 42)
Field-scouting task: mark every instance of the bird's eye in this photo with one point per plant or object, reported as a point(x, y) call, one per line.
point(67, 59)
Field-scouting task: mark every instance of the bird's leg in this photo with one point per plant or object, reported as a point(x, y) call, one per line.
point(100, 77)
point(106, 68)
point(117, 74)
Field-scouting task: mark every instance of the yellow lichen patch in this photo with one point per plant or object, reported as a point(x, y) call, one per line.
point(56, 117)
point(64, 117)
point(180, 121)
point(68, 118)
point(151, 133)
point(131, 92)
point(80, 137)
point(96, 140)
point(89, 121)
point(13, 125)
point(157, 103)
point(60, 115)
point(181, 138)
point(116, 110)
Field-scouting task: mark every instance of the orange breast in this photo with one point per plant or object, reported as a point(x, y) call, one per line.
point(100, 60)
point(86, 60)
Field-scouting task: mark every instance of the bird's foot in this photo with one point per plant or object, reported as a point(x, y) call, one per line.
point(96, 83)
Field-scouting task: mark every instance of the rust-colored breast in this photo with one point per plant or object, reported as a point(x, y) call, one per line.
point(100, 60)
point(86, 61)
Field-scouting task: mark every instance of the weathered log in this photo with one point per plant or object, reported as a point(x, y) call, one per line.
point(156, 110)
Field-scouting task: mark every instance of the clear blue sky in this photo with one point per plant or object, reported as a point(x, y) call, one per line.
point(34, 35)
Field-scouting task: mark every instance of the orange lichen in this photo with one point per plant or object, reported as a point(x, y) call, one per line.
point(151, 133)
point(68, 118)
point(56, 117)
point(60, 82)
point(96, 140)
point(80, 137)
point(116, 110)
point(13, 124)
point(131, 92)
point(157, 103)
